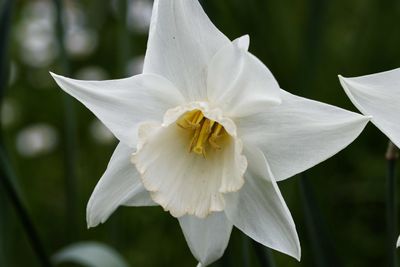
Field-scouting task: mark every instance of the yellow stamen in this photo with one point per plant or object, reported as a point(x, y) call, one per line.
point(203, 136)
point(186, 121)
point(194, 138)
point(204, 130)
point(215, 135)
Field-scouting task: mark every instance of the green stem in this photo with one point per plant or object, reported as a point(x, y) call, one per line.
point(69, 150)
point(391, 207)
point(5, 178)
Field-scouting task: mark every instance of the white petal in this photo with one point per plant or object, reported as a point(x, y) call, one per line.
point(119, 185)
point(242, 42)
point(183, 182)
point(207, 238)
point(182, 41)
point(122, 104)
point(300, 133)
point(398, 242)
point(378, 95)
point(239, 83)
point(259, 210)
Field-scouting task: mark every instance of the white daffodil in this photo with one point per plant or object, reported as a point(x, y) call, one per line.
point(205, 132)
point(378, 95)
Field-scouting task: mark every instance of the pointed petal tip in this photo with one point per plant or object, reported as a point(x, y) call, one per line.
point(54, 75)
point(92, 222)
point(242, 42)
point(298, 256)
point(297, 253)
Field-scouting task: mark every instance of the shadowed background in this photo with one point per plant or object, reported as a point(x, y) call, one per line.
point(58, 150)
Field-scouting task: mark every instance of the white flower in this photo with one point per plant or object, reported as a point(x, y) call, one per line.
point(209, 132)
point(378, 95)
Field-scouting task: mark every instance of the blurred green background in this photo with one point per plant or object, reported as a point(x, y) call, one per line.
point(58, 149)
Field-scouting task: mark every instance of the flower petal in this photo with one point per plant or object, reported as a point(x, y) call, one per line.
point(119, 185)
point(259, 210)
point(398, 242)
point(207, 238)
point(183, 182)
point(182, 41)
point(239, 83)
point(378, 95)
point(122, 104)
point(242, 42)
point(300, 133)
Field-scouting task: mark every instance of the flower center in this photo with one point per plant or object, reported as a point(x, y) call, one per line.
point(206, 132)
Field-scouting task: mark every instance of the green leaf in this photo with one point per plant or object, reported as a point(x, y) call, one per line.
point(90, 254)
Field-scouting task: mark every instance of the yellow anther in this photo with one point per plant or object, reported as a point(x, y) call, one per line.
point(203, 136)
point(186, 121)
point(197, 119)
point(204, 130)
point(217, 130)
point(194, 138)
point(217, 133)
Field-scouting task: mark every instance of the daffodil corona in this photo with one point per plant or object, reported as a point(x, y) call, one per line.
point(205, 132)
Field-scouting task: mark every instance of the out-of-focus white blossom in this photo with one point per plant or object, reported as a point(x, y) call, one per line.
point(35, 34)
point(36, 139)
point(9, 112)
point(139, 15)
point(91, 73)
point(80, 40)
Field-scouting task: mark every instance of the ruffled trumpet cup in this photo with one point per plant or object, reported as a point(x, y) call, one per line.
point(205, 132)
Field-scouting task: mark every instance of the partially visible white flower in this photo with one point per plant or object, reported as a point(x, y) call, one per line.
point(36, 139)
point(205, 132)
point(139, 15)
point(378, 95)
